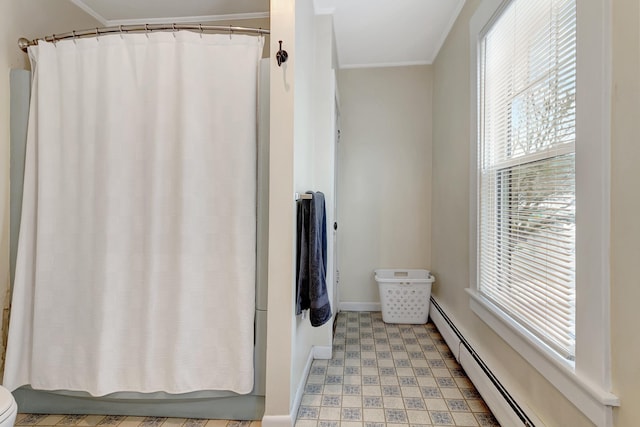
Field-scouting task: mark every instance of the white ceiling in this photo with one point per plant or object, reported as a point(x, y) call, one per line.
point(372, 33)
point(369, 33)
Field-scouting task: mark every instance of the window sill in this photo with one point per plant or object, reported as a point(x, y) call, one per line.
point(594, 401)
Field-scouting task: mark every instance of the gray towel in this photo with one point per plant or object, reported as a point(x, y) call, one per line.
point(311, 262)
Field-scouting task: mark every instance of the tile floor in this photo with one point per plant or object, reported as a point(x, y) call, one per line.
point(380, 375)
point(389, 375)
point(28, 420)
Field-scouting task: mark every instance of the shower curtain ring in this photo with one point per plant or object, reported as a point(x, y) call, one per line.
point(97, 34)
point(120, 31)
point(146, 30)
point(174, 30)
point(201, 30)
point(230, 32)
point(53, 38)
point(75, 36)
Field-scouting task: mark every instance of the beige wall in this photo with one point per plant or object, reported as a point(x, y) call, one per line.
point(384, 175)
point(625, 205)
point(313, 148)
point(30, 19)
point(451, 215)
point(281, 219)
point(300, 160)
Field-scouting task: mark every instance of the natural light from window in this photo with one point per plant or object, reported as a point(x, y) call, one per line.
point(526, 243)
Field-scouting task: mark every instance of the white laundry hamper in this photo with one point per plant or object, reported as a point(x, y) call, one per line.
point(404, 295)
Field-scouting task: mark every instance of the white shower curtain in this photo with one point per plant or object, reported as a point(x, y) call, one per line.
point(136, 259)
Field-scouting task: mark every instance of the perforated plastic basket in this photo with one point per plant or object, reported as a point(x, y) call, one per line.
point(404, 295)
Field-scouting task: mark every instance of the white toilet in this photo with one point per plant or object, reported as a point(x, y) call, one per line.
point(8, 408)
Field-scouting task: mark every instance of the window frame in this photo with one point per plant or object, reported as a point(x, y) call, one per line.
point(587, 381)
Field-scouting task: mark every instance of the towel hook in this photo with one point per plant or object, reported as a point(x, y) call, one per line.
point(281, 55)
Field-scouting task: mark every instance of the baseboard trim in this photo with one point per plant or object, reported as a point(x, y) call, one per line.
point(360, 306)
point(300, 389)
point(277, 421)
point(316, 352)
point(322, 352)
point(502, 403)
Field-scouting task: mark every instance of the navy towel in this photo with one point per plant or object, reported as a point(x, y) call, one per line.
point(311, 260)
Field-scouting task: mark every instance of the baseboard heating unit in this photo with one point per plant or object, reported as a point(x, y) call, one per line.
point(503, 405)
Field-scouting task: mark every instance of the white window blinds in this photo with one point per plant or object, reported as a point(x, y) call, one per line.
point(526, 241)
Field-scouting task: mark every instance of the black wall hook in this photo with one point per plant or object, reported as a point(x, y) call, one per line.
point(281, 55)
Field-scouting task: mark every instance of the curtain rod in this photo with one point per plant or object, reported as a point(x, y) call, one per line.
point(95, 32)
